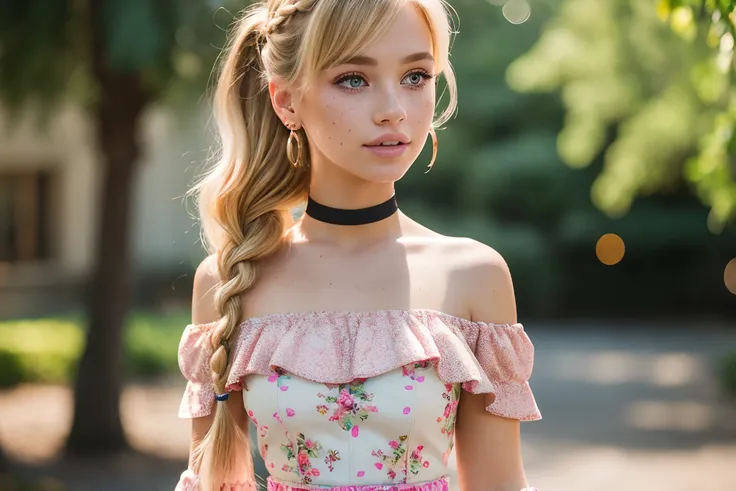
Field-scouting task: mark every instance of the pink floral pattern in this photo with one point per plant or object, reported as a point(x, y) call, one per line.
point(350, 406)
point(326, 375)
point(302, 453)
point(332, 457)
point(394, 461)
point(492, 359)
point(449, 417)
point(280, 378)
point(410, 370)
point(416, 462)
point(440, 484)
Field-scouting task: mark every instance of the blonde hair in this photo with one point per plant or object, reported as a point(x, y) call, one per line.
point(244, 201)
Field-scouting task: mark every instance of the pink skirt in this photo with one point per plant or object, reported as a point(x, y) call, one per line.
point(440, 484)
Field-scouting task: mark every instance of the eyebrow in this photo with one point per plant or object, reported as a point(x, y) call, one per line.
point(366, 60)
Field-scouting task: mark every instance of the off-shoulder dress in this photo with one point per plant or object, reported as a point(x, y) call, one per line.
point(364, 401)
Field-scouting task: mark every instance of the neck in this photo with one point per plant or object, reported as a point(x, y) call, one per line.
point(351, 235)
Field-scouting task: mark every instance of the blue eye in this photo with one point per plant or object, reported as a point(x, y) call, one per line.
point(418, 78)
point(415, 78)
point(354, 81)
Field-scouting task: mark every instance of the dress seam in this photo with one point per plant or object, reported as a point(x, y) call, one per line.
point(410, 436)
point(295, 445)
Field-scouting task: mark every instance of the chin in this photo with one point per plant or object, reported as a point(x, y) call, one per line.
point(384, 172)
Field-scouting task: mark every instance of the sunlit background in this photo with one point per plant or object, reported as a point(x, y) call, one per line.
point(594, 147)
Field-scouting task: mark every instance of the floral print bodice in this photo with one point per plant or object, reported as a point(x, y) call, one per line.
point(342, 399)
point(393, 428)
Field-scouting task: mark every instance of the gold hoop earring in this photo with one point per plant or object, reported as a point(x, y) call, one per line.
point(434, 148)
point(295, 162)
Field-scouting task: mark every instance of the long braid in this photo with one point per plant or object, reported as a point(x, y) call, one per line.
point(244, 200)
point(244, 203)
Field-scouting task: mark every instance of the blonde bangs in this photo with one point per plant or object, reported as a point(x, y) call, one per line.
point(341, 29)
point(338, 30)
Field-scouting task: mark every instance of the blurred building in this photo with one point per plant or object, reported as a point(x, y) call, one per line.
point(49, 195)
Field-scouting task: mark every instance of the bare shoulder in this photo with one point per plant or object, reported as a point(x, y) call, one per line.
point(206, 280)
point(477, 273)
point(487, 286)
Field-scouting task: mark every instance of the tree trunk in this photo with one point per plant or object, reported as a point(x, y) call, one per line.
point(4, 464)
point(97, 427)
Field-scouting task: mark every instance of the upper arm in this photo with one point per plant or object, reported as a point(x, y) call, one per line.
point(488, 447)
point(204, 311)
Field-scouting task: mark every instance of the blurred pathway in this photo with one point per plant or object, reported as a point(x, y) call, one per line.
point(631, 408)
point(624, 409)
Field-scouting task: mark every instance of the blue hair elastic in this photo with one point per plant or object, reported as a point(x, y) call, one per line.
point(221, 397)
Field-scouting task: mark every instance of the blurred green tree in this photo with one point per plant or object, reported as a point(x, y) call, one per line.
point(116, 58)
point(650, 88)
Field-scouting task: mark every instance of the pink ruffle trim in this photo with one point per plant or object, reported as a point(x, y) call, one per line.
point(189, 481)
point(436, 485)
point(338, 347)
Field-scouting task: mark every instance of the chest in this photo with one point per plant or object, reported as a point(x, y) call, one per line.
point(394, 277)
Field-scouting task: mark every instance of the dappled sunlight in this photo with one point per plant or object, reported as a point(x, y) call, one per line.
point(515, 11)
point(150, 419)
point(687, 416)
point(592, 157)
point(729, 276)
point(614, 468)
point(35, 421)
point(610, 249)
point(667, 370)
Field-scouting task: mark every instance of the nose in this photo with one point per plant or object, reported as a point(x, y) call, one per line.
point(390, 109)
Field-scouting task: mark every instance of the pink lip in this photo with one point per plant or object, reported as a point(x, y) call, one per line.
point(389, 137)
point(388, 151)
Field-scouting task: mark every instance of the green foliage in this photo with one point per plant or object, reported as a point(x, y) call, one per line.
point(151, 344)
point(656, 101)
point(39, 351)
point(47, 350)
point(34, 49)
point(608, 89)
point(500, 178)
point(497, 178)
point(47, 47)
point(728, 373)
point(712, 169)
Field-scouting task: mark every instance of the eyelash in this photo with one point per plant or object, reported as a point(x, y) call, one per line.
point(426, 76)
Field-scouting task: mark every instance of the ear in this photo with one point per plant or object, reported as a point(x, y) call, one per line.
point(281, 100)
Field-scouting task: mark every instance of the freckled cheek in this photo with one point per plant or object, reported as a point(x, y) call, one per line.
point(341, 123)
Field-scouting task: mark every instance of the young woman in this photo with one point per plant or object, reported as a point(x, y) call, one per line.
point(363, 346)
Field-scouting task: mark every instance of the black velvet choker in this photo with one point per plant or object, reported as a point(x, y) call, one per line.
point(361, 216)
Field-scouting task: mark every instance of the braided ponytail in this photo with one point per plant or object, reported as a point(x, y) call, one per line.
point(245, 199)
point(244, 205)
point(284, 13)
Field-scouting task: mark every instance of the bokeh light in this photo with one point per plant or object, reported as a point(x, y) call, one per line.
point(498, 3)
point(610, 249)
point(517, 11)
point(729, 276)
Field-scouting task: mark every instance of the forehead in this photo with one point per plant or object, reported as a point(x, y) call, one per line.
point(409, 33)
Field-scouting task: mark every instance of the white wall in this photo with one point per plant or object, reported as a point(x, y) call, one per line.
point(64, 146)
point(175, 150)
point(165, 236)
